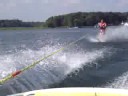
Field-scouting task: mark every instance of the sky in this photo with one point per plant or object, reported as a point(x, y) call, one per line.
point(41, 10)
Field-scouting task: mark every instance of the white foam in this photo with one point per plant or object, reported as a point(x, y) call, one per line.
point(117, 34)
point(49, 71)
point(6, 65)
point(74, 61)
point(93, 39)
point(120, 82)
point(113, 34)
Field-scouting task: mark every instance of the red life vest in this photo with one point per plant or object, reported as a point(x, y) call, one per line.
point(102, 25)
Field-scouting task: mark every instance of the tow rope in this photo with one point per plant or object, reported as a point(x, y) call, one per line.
point(16, 73)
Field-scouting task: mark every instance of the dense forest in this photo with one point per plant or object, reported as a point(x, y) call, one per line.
point(78, 19)
point(19, 23)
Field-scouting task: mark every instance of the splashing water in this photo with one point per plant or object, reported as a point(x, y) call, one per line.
point(120, 82)
point(51, 70)
point(113, 34)
point(116, 34)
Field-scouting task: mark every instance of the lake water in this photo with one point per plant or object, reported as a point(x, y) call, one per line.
point(87, 63)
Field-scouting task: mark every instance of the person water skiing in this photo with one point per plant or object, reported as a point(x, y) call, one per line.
point(102, 25)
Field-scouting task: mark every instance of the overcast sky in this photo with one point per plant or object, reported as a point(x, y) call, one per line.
point(40, 10)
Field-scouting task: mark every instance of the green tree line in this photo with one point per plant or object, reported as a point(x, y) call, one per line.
point(80, 19)
point(19, 23)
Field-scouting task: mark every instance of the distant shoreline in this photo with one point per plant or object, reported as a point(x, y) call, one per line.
point(35, 28)
point(78, 19)
point(20, 28)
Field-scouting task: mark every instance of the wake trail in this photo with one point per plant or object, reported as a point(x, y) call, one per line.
point(119, 82)
point(49, 71)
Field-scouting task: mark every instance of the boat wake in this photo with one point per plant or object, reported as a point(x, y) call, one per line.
point(49, 71)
